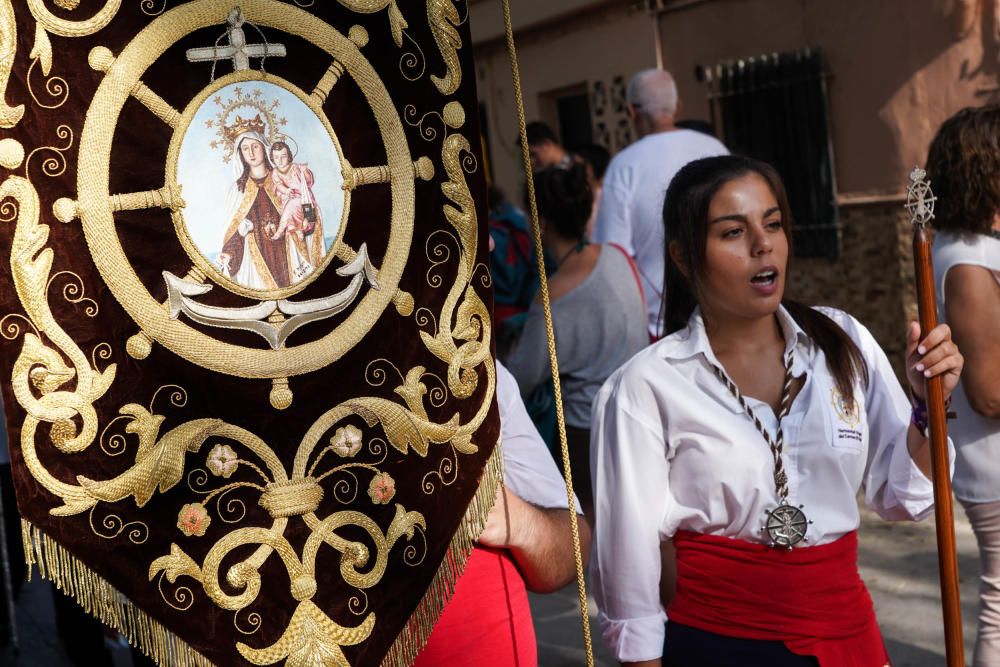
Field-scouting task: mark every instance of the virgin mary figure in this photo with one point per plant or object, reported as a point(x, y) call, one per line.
point(250, 255)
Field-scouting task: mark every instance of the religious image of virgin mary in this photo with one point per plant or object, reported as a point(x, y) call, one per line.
point(251, 256)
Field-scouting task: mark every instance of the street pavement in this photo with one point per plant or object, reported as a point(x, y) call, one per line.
point(898, 562)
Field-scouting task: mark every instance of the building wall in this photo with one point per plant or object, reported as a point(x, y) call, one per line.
point(586, 45)
point(873, 279)
point(899, 68)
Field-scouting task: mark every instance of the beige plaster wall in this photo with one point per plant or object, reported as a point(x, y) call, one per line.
point(898, 70)
point(487, 15)
point(592, 44)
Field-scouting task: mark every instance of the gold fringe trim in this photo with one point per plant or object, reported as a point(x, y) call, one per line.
point(100, 599)
point(103, 601)
point(418, 629)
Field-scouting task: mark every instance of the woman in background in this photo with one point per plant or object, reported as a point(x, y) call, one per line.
point(597, 312)
point(964, 168)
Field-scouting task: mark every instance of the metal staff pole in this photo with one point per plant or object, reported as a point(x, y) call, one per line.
point(920, 204)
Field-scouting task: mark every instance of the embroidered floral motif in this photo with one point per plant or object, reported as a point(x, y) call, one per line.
point(193, 520)
point(222, 461)
point(382, 488)
point(346, 442)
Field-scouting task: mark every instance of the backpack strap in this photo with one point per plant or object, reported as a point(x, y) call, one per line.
point(635, 270)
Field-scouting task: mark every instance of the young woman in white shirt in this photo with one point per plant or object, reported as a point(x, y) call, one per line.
point(744, 435)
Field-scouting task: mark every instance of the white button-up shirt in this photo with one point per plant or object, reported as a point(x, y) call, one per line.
point(671, 449)
point(529, 469)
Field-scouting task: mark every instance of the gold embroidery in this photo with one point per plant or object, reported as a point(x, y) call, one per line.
point(55, 86)
point(9, 116)
point(149, 7)
point(54, 165)
point(113, 525)
point(50, 361)
point(73, 292)
point(293, 497)
point(67, 28)
point(418, 629)
point(443, 18)
point(471, 315)
point(11, 154)
point(311, 640)
point(397, 23)
point(97, 218)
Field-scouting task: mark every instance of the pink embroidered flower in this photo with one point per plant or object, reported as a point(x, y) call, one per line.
point(382, 488)
point(193, 520)
point(222, 461)
point(346, 441)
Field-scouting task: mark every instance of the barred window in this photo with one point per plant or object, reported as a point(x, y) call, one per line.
point(775, 108)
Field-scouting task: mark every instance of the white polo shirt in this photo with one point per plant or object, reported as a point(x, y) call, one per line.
point(671, 449)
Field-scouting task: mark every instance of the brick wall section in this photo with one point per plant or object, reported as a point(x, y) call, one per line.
point(872, 280)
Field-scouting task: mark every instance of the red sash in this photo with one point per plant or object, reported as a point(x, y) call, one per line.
point(487, 622)
point(812, 599)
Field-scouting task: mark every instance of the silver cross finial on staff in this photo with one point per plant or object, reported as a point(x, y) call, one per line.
point(920, 198)
point(238, 51)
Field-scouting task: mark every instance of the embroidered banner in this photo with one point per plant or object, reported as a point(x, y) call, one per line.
point(245, 319)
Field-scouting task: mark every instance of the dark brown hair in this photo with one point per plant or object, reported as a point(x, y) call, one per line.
point(685, 220)
point(963, 166)
point(564, 199)
point(279, 146)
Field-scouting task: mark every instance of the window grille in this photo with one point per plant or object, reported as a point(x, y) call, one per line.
point(774, 107)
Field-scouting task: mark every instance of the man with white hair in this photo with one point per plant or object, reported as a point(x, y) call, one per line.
point(631, 209)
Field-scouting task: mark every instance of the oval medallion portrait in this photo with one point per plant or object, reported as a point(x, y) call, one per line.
point(261, 172)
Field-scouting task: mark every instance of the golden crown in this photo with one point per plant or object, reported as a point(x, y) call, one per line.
point(241, 125)
point(229, 125)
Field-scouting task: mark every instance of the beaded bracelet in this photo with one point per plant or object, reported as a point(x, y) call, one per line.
point(919, 416)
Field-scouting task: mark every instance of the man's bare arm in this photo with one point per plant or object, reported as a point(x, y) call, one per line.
point(539, 539)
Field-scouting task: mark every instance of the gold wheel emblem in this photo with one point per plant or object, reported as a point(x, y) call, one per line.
point(272, 315)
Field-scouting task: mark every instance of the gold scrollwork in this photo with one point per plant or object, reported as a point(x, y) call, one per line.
point(462, 305)
point(67, 28)
point(443, 19)
point(9, 116)
point(53, 165)
point(149, 7)
point(397, 24)
point(56, 86)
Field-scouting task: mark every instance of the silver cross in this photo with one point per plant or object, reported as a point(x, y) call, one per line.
point(238, 51)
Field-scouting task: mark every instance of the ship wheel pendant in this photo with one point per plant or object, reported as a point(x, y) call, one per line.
point(786, 525)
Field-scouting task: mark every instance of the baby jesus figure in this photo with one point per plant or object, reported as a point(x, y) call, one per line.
point(293, 183)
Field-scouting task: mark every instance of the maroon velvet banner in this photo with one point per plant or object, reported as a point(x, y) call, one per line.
point(245, 317)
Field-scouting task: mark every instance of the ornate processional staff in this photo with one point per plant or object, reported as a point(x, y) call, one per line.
point(920, 204)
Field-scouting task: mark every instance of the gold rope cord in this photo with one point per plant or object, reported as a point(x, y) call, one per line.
point(549, 331)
